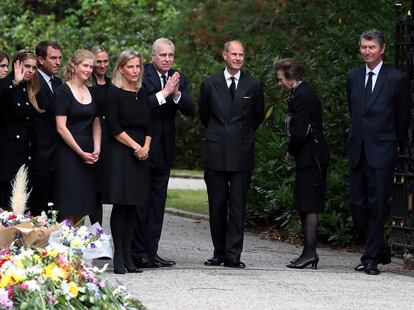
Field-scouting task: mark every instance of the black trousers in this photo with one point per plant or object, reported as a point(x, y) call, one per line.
point(227, 194)
point(148, 233)
point(370, 190)
point(42, 191)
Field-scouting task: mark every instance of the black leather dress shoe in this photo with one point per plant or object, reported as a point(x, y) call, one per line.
point(146, 263)
point(162, 262)
point(234, 264)
point(371, 269)
point(360, 268)
point(214, 261)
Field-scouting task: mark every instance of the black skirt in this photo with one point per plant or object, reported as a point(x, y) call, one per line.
point(310, 188)
point(126, 177)
point(75, 183)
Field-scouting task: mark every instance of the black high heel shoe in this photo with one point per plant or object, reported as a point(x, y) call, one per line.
point(303, 262)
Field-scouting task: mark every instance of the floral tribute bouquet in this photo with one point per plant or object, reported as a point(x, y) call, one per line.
point(92, 241)
point(36, 278)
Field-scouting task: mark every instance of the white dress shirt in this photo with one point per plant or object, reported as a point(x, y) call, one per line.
point(376, 71)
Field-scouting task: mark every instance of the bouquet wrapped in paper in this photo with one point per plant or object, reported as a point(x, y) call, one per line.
point(91, 241)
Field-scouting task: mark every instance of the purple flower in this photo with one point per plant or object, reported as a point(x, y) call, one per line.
point(93, 246)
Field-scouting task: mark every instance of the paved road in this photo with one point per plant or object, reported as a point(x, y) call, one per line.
point(186, 183)
point(266, 283)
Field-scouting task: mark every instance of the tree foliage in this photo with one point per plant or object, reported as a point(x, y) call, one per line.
point(321, 34)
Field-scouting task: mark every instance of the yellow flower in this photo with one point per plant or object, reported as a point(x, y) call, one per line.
point(54, 272)
point(73, 289)
point(76, 243)
point(6, 280)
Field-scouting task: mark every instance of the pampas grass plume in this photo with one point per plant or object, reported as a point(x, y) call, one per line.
point(20, 195)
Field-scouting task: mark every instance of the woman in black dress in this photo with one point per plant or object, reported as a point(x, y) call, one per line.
point(129, 120)
point(308, 149)
point(77, 123)
point(18, 103)
point(101, 84)
point(4, 65)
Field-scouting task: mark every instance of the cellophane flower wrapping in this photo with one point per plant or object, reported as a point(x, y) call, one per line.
point(91, 241)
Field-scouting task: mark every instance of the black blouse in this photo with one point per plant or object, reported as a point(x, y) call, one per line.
point(128, 110)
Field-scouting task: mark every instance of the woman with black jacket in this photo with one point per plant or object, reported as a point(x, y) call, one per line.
point(17, 104)
point(308, 149)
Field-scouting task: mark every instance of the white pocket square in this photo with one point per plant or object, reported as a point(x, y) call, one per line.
point(246, 97)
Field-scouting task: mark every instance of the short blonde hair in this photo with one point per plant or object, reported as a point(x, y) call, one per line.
point(77, 58)
point(123, 58)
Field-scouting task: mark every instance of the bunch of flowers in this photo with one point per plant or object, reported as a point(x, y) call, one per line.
point(8, 219)
point(81, 237)
point(33, 230)
point(90, 242)
point(35, 278)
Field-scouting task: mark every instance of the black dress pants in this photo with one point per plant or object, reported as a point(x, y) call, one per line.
point(227, 195)
point(370, 190)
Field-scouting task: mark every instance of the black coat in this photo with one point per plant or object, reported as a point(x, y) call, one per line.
point(306, 139)
point(163, 116)
point(16, 133)
point(229, 137)
point(384, 121)
point(44, 125)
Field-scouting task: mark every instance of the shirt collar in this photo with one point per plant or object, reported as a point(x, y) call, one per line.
point(45, 76)
point(227, 75)
point(376, 70)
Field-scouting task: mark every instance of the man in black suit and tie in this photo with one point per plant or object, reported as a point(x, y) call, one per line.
point(380, 109)
point(49, 60)
point(168, 93)
point(231, 108)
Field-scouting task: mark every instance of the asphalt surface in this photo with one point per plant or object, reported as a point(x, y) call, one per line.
point(266, 283)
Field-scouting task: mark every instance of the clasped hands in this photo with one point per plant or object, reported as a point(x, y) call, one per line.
point(172, 85)
point(90, 158)
point(289, 157)
point(142, 153)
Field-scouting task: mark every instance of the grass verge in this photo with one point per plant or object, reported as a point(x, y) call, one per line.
point(188, 200)
point(187, 173)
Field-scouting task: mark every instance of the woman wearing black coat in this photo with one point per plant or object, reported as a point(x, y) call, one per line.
point(17, 105)
point(308, 149)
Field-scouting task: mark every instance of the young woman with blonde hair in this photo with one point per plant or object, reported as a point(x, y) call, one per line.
point(78, 125)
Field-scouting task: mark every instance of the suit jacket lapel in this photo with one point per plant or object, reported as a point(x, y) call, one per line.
point(154, 77)
point(242, 87)
point(382, 76)
point(221, 86)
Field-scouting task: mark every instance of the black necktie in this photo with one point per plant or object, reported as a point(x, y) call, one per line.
point(368, 87)
point(164, 80)
point(52, 83)
point(232, 88)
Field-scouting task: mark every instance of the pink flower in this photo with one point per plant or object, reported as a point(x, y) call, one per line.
point(24, 286)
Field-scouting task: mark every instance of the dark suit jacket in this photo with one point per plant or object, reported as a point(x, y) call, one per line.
point(229, 137)
point(384, 121)
point(163, 116)
point(44, 125)
point(304, 109)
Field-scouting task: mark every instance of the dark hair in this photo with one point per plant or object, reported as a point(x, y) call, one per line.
point(292, 69)
point(41, 48)
point(373, 34)
point(4, 56)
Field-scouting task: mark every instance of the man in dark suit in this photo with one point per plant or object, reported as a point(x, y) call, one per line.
point(231, 108)
point(168, 93)
point(380, 108)
point(49, 61)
